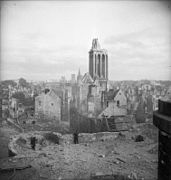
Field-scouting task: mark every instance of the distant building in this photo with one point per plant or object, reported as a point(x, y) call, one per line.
point(149, 104)
point(63, 80)
point(0, 108)
point(79, 77)
point(73, 78)
point(48, 105)
point(84, 92)
point(140, 114)
point(13, 107)
point(18, 104)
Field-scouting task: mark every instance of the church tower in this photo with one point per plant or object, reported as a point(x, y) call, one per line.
point(98, 63)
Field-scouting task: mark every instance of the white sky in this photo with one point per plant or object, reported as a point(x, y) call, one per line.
point(43, 40)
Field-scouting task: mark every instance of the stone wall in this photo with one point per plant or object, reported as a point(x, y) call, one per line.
point(49, 105)
point(20, 144)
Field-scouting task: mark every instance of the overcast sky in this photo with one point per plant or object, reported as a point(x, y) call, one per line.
point(43, 40)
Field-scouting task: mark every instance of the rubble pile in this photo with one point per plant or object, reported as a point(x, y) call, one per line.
point(57, 157)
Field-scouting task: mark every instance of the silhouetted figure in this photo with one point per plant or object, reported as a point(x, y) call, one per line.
point(33, 142)
point(75, 137)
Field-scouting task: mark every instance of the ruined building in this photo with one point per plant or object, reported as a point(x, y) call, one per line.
point(116, 104)
point(48, 105)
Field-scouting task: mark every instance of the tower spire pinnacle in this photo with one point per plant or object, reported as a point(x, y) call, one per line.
point(79, 73)
point(95, 44)
point(79, 76)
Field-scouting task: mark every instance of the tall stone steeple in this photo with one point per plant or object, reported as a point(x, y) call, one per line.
point(95, 45)
point(98, 61)
point(79, 76)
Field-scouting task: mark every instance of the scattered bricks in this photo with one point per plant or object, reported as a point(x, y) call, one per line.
point(117, 176)
point(42, 155)
point(99, 174)
point(133, 176)
point(121, 160)
point(139, 138)
point(11, 153)
point(115, 152)
point(162, 119)
point(59, 178)
point(101, 155)
point(115, 162)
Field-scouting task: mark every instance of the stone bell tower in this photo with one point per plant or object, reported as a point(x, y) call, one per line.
point(98, 62)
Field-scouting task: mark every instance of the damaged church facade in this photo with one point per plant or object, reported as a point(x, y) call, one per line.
point(93, 87)
point(88, 97)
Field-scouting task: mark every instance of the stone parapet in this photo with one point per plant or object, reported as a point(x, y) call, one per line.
point(164, 107)
point(162, 120)
point(20, 144)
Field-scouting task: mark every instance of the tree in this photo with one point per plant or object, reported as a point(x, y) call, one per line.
point(6, 83)
point(19, 95)
point(23, 82)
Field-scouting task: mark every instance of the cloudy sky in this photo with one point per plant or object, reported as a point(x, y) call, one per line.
point(43, 40)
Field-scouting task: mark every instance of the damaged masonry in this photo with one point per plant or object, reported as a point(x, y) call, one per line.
point(98, 138)
point(85, 90)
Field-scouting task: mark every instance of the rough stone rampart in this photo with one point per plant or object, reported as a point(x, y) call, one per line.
point(21, 144)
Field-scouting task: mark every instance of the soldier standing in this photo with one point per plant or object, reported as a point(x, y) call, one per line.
point(75, 137)
point(33, 142)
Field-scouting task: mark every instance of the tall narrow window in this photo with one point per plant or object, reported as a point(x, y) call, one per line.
point(103, 66)
point(118, 103)
point(106, 67)
point(95, 64)
point(98, 65)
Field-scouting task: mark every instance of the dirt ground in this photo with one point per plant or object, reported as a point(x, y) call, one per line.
point(5, 132)
point(83, 161)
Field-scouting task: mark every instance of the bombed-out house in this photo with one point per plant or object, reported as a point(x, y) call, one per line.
point(116, 104)
point(48, 105)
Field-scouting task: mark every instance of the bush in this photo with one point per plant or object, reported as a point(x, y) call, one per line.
point(52, 138)
point(20, 141)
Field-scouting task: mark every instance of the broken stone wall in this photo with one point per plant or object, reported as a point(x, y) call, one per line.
point(21, 144)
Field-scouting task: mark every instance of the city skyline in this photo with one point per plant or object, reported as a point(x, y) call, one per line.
point(46, 40)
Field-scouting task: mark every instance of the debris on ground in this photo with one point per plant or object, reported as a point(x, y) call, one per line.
point(8, 169)
point(121, 160)
point(139, 138)
point(133, 176)
point(154, 149)
point(103, 158)
point(101, 155)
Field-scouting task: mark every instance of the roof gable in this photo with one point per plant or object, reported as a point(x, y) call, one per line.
point(111, 94)
point(120, 93)
point(57, 94)
point(87, 79)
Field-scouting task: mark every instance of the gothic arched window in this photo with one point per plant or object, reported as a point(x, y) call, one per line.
point(98, 65)
point(106, 66)
point(95, 64)
point(103, 65)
